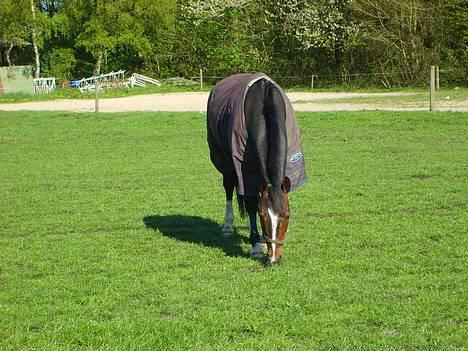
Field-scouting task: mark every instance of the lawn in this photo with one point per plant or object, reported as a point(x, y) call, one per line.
point(109, 237)
point(407, 99)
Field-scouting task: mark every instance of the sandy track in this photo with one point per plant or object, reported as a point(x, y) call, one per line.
point(197, 102)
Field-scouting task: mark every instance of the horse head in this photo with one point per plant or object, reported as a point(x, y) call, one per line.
point(274, 211)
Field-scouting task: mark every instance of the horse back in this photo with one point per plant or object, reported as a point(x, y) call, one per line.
point(252, 131)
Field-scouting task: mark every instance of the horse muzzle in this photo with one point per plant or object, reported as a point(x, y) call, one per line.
point(274, 260)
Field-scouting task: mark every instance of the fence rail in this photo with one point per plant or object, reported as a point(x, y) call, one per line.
point(44, 85)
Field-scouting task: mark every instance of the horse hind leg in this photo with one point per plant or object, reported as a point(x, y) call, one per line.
point(229, 183)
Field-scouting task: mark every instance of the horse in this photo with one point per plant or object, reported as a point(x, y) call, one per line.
point(254, 142)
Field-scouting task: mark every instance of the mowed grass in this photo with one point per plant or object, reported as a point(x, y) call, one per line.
point(444, 98)
point(109, 238)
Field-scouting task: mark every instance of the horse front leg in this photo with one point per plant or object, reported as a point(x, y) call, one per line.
point(251, 205)
point(228, 227)
point(229, 183)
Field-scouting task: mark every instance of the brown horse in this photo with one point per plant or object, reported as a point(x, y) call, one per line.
point(254, 142)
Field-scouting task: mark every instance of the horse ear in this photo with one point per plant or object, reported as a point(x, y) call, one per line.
point(286, 185)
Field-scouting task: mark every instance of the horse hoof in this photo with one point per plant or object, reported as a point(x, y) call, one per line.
point(227, 230)
point(256, 251)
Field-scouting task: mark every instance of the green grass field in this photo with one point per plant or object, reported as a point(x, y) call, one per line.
point(415, 99)
point(109, 238)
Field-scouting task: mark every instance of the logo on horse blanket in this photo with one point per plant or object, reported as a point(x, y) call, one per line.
point(296, 157)
point(227, 133)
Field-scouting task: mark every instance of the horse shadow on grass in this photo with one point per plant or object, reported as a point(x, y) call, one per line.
point(198, 230)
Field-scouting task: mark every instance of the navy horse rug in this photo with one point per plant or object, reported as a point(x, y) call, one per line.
point(231, 149)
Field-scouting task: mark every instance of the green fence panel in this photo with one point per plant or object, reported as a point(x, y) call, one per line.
point(17, 79)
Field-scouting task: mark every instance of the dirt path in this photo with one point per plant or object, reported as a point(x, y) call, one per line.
point(197, 102)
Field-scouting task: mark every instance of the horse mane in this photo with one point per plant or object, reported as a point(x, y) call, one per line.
point(275, 116)
point(277, 200)
point(266, 127)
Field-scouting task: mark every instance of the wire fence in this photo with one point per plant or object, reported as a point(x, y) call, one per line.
point(447, 78)
point(447, 90)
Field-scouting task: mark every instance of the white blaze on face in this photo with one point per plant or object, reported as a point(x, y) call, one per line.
point(274, 228)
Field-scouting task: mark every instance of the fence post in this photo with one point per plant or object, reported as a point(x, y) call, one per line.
point(201, 79)
point(437, 78)
point(432, 91)
point(312, 82)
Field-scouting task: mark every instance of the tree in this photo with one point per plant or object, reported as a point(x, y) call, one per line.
point(403, 38)
point(102, 27)
point(303, 36)
point(14, 16)
point(51, 7)
point(157, 22)
point(34, 40)
point(214, 35)
point(314, 24)
point(452, 41)
point(397, 39)
point(60, 63)
point(21, 25)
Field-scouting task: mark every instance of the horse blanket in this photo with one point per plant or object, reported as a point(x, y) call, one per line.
point(227, 133)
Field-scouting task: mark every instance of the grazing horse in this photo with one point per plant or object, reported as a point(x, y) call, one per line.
point(255, 144)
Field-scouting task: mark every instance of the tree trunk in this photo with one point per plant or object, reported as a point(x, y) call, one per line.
point(8, 54)
point(97, 66)
point(34, 42)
